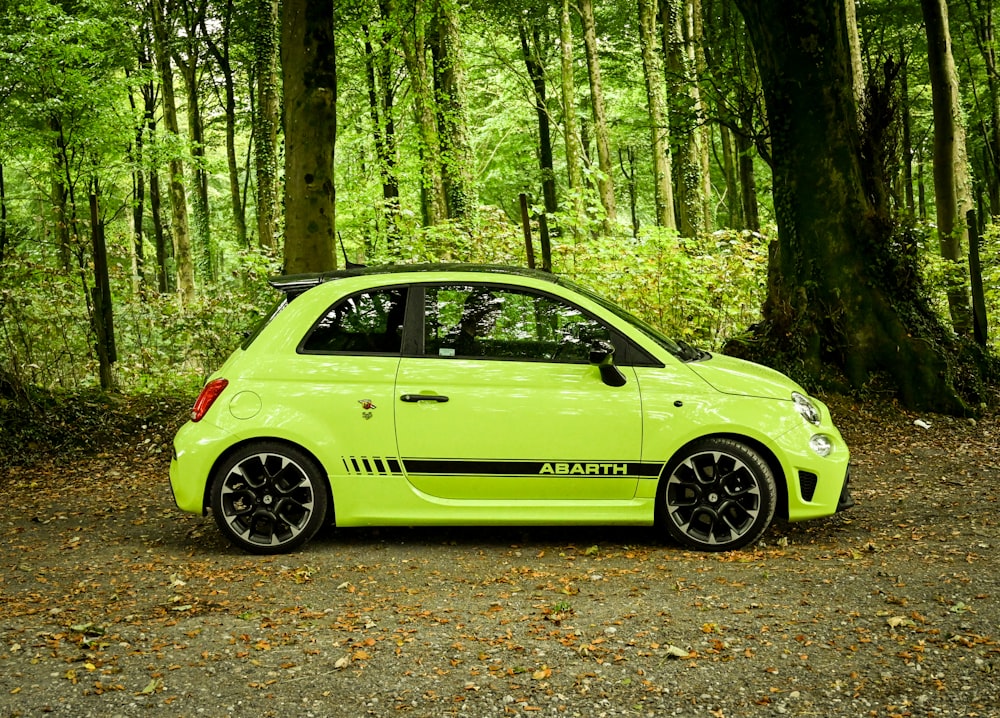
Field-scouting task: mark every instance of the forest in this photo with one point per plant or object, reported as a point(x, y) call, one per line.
point(809, 184)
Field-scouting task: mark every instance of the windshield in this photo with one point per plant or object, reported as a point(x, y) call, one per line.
point(680, 349)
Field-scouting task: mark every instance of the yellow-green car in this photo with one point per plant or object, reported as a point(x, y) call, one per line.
point(476, 395)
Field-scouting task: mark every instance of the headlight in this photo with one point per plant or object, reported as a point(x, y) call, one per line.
point(821, 444)
point(806, 408)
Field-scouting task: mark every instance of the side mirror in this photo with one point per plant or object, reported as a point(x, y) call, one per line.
point(602, 354)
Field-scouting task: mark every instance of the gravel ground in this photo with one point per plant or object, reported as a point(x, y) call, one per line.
point(116, 604)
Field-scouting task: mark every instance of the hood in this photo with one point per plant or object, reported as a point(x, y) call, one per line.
point(737, 376)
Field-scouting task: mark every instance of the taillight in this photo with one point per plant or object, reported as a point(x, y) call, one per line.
point(207, 397)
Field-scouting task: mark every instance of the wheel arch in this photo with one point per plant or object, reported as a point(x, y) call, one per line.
point(238, 446)
point(769, 457)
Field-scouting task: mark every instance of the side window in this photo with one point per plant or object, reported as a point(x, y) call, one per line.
point(506, 323)
point(369, 322)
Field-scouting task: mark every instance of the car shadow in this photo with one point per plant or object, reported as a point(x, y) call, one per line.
point(493, 537)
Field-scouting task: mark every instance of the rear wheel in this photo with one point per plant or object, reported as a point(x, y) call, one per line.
point(269, 498)
point(718, 495)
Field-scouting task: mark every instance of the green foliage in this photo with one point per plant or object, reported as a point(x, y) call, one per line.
point(46, 340)
point(702, 289)
point(44, 337)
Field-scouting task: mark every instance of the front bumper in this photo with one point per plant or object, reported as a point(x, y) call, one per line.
point(846, 500)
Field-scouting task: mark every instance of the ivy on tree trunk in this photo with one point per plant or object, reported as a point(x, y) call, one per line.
point(840, 298)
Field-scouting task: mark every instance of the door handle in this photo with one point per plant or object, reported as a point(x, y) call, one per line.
point(414, 398)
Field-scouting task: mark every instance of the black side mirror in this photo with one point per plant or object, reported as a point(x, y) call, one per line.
point(602, 354)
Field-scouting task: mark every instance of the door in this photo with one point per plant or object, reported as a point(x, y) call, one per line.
point(502, 403)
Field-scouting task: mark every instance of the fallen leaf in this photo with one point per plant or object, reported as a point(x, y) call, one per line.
point(677, 652)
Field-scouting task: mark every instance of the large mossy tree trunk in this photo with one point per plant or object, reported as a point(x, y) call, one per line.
point(308, 65)
point(266, 119)
point(453, 131)
point(842, 301)
point(414, 39)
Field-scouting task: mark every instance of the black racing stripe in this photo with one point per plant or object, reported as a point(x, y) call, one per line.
point(650, 470)
point(354, 462)
point(394, 466)
point(481, 467)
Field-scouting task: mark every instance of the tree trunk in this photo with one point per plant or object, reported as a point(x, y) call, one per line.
point(196, 133)
point(652, 67)
point(159, 234)
point(733, 197)
point(189, 62)
point(378, 71)
point(982, 12)
point(149, 100)
point(626, 159)
point(222, 58)
point(310, 92)
point(701, 138)
point(453, 135)
point(952, 189)
point(854, 41)
point(907, 149)
point(265, 120)
point(64, 199)
point(748, 182)
point(178, 193)
point(680, 24)
point(434, 206)
point(571, 136)
point(60, 215)
point(605, 180)
point(103, 313)
point(3, 216)
point(137, 160)
point(390, 158)
point(838, 293)
point(138, 212)
point(921, 189)
point(536, 72)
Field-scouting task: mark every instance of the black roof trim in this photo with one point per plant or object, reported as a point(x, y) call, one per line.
point(294, 284)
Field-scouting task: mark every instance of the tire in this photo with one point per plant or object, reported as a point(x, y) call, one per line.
point(717, 495)
point(269, 498)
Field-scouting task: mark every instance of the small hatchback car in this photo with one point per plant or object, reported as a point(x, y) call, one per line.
point(475, 395)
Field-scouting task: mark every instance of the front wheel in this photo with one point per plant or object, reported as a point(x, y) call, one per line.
point(269, 498)
point(718, 495)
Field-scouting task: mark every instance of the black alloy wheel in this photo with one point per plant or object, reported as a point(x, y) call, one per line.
point(269, 498)
point(718, 495)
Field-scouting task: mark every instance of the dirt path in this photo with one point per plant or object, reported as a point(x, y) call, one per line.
point(115, 604)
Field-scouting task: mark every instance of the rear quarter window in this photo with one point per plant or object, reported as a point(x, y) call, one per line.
point(369, 322)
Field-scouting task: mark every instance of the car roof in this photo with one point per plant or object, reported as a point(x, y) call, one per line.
point(294, 284)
